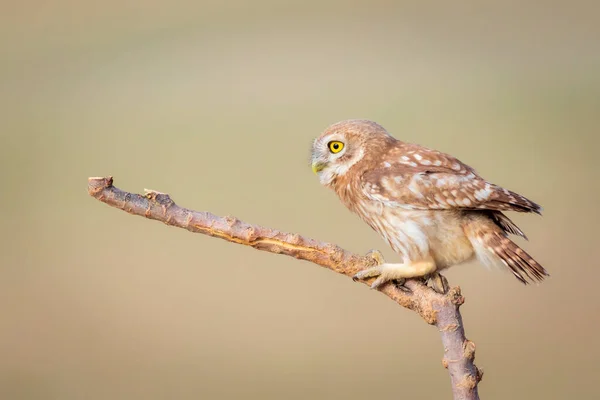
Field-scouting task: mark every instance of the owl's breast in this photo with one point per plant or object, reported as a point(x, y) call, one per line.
point(406, 232)
point(416, 234)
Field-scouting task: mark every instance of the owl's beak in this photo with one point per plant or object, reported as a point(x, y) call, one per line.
point(318, 166)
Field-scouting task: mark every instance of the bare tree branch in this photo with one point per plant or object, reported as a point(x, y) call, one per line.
point(441, 310)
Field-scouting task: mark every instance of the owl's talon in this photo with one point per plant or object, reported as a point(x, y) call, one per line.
point(378, 282)
point(439, 283)
point(400, 285)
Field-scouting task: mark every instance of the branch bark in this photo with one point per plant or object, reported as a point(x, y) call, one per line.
point(441, 310)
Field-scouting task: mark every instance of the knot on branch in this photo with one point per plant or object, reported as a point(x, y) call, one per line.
point(231, 221)
point(456, 296)
point(469, 350)
point(160, 198)
point(469, 382)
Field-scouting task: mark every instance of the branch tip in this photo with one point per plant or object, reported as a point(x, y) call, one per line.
point(97, 184)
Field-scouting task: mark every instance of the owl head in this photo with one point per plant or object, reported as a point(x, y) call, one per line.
point(342, 145)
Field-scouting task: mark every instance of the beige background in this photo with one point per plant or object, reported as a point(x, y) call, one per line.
point(217, 104)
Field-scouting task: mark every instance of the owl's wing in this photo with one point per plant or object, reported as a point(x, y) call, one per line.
point(414, 177)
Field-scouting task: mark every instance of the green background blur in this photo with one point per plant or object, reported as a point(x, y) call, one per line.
point(217, 103)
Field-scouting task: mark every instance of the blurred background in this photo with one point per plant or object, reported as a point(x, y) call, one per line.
point(216, 103)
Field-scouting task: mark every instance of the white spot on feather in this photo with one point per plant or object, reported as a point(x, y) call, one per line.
point(413, 186)
point(483, 194)
point(441, 182)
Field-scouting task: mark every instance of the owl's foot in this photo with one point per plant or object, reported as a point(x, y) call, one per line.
point(396, 272)
point(379, 260)
point(438, 282)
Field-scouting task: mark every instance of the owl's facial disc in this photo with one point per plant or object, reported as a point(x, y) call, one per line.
point(332, 156)
point(327, 150)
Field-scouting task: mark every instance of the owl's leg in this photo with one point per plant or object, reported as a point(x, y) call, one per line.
point(388, 272)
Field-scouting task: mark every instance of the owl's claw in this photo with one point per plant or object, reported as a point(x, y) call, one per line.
point(439, 283)
point(376, 271)
point(400, 285)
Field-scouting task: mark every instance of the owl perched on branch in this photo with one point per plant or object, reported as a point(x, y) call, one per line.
point(431, 208)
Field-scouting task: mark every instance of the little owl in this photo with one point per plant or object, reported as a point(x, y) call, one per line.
point(431, 208)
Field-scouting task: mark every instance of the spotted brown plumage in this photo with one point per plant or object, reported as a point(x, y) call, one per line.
point(432, 209)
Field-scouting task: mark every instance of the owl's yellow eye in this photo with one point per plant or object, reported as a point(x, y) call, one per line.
point(335, 146)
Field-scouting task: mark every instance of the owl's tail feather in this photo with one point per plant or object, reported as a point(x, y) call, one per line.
point(521, 264)
point(506, 223)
